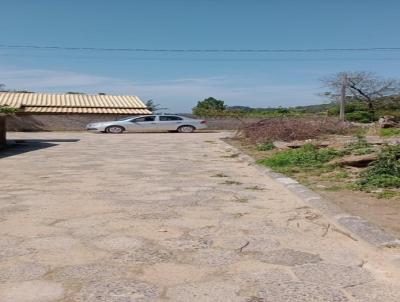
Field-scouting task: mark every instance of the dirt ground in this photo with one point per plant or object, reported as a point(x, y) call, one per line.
point(169, 217)
point(384, 213)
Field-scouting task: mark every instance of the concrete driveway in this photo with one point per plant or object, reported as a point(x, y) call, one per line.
point(168, 217)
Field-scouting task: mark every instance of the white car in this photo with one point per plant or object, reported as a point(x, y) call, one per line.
point(149, 123)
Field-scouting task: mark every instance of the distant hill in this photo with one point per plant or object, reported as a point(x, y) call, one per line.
point(243, 108)
point(384, 103)
point(302, 109)
point(307, 108)
point(315, 108)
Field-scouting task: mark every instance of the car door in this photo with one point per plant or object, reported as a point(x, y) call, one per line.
point(143, 124)
point(169, 122)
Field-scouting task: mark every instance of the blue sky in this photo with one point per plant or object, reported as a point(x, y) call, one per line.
point(178, 81)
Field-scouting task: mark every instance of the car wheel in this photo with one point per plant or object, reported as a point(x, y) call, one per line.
point(115, 129)
point(186, 129)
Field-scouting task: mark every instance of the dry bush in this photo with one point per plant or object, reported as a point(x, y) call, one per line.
point(292, 128)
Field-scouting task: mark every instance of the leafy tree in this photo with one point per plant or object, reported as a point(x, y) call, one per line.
point(7, 109)
point(4, 110)
point(3, 89)
point(153, 106)
point(209, 107)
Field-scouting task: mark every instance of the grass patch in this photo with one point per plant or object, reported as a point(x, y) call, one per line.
point(255, 188)
point(231, 182)
point(334, 188)
point(221, 174)
point(360, 147)
point(307, 157)
point(267, 146)
point(354, 186)
point(341, 175)
point(387, 194)
point(239, 215)
point(387, 132)
point(385, 172)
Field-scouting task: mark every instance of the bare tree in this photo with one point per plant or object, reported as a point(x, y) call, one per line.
point(361, 85)
point(2, 87)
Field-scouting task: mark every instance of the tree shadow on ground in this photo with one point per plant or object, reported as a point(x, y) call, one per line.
point(15, 147)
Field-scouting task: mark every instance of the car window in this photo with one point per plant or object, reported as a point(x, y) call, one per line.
point(170, 118)
point(125, 119)
point(144, 119)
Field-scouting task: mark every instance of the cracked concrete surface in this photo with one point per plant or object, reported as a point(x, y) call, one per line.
point(169, 217)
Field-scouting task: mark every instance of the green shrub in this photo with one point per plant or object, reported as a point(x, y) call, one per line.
point(356, 111)
point(334, 188)
point(308, 156)
point(381, 181)
point(389, 132)
point(360, 117)
point(267, 146)
point(385, 172)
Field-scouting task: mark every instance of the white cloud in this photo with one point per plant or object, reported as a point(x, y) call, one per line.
point(177, 94)
point(37, 79)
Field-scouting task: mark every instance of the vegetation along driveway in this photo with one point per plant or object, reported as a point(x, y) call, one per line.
point(169, 217)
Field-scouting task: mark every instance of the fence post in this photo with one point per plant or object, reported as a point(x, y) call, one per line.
point(343, 97)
